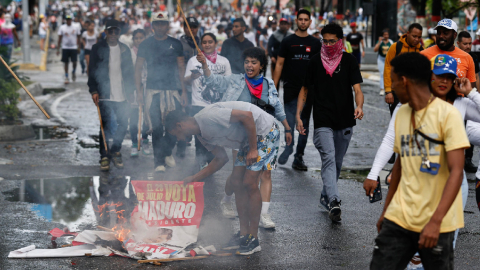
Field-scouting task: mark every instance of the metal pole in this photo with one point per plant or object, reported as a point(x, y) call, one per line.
point(41, 8)
point(26, 33)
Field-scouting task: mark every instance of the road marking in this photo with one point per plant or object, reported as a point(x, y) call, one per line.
point(57, 101)
point(375, 108)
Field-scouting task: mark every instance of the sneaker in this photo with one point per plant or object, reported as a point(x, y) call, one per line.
point(234, 242)
point(324, 202)
point(170, 161)
point(134, 152)
point(74, 77)
point(298, 163)
point(382, 92)
point(334, 211)
point(415, 263)
point(266, 222)
point(67, 81)
point(117, 160)
point(469, 167)
point(283, 158)
point(146, 148)
point(105, 164)
point(160, 168)
point(248, 246)
point(227, 209)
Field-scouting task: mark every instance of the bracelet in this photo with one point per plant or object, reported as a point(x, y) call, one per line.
point(289, 130)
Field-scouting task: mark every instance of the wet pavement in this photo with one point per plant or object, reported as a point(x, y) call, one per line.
point(52, 181)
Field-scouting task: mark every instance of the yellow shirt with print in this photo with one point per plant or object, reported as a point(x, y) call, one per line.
point(419, 193)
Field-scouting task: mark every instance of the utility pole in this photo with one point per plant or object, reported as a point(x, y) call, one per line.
point(26, 33)
point(42, 6)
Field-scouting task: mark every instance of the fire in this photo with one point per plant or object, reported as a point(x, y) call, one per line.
point(108, 209)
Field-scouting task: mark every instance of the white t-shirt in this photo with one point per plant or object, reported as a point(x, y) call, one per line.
point(126, 39)
point(251, 36)
point(201, 95)
point(69, 36)
point(89, 40)
point(262, 20)
point(115, 74)
point(41, 29)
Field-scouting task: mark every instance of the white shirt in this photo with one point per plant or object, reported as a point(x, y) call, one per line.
point(69, 36)
point(262, 20)
point(201, 95)
point(41, 29)
point(115, 74)
point(250, 36)
point(89, 40)
point(126, 39)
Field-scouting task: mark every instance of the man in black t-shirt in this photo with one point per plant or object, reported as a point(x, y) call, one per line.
point(233, 47)
point(356, 39)
point(464, 42)
point(165, 68)
point(275, 40)
point(295, 52)
point(328, 84)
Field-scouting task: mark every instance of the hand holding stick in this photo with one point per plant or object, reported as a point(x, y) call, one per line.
point(24, 88)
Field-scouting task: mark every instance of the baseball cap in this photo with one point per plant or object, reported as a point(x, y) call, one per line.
point(160, 17)
point(447, 23)
point(111, 24)
point(283, 20)
point(68, 17)
point(192, 21)
point(444, 64)
point(353, 24)
point(41, 16)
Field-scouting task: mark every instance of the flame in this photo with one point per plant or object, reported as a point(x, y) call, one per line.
point(120, 230)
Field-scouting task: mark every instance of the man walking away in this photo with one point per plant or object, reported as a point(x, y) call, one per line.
point(165, 72)
point(410, 42)
point(293, 57)
point(423, 207)
point(275, 40)
point(111, 83)
point(334, 113)
point(69, 41)
point(233, 47)
point(356, 39)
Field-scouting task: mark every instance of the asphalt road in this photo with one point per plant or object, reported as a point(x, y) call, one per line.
point(305, 238)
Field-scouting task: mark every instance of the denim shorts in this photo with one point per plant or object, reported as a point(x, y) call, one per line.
point(267, 147)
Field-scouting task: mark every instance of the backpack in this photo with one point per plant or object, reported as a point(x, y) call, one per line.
point(399, 46)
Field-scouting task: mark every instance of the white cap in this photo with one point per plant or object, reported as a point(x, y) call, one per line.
point(447, 23)
point(432, 31)
point(478, 32)
point(160, 17)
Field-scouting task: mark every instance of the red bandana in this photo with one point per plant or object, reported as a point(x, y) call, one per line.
point(211, 57)
point(331, 56)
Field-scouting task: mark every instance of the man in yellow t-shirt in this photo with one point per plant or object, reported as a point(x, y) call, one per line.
point(424, 204)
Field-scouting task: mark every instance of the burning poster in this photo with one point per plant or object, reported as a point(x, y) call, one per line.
point(166, 219)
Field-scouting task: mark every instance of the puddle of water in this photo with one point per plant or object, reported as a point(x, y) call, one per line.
point(52, 132)
point(47, 91)
point(71, 201)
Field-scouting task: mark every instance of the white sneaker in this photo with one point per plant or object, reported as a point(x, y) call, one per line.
point(170, 161)
point(160, 168)
point(266, 221)
point(134, 151)
point(146, 148)
point(415, 263)
point(382, 92)
point(227, 209)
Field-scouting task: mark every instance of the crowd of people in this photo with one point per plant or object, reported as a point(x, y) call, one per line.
point(202, 78)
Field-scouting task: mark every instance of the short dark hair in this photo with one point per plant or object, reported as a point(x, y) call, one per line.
point(463, 34)
point(138, 31)
point(173, 118)
point(414, 66)
point(385, 30)
point(303, 11)
point(210, 35)
point(241, 21)
point(415, 25)
point(333, 28)
point(256, 53)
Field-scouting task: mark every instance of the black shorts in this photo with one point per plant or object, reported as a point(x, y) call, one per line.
point(358, 55)
point(69, 54)
point(87, 52)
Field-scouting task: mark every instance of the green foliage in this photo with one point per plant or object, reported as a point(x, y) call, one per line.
point(8, 91)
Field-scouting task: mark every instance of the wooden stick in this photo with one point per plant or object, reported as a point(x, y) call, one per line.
point(104, 228)
point(139, 126)
point(101, 128)
point(173, 259)
point(24, 88)
point(188, 26)
point(222, 254)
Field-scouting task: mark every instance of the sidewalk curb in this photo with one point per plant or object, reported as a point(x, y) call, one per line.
point(35, 89)
point(370, 76)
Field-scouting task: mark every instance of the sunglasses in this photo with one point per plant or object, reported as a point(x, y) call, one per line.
point(330, 42)
point(112, 31)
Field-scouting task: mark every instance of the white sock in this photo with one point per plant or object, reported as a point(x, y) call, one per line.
point(265, 206)
point(227, 199)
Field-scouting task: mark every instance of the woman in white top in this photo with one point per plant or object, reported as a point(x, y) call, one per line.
point(89, 38)
point(201, 94)
point(42, 31)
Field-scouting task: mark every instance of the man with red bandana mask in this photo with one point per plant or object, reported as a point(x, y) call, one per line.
point(334, 114)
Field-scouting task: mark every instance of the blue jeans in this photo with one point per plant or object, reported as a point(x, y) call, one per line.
point(332, 146)
point(82, 60)
point(121, 110)
point(291, 111)
point(381, 67)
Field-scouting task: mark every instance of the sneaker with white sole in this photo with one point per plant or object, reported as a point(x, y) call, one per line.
point(335, 212)
point(248, 246)
point(117, 160)
point(160, 169)
point(227, 209)
point(170, 161)
point(66, 80)
point(415, 263)
point(134, 151)
point(146, 148)
point(105, 164)
point(266, 221)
